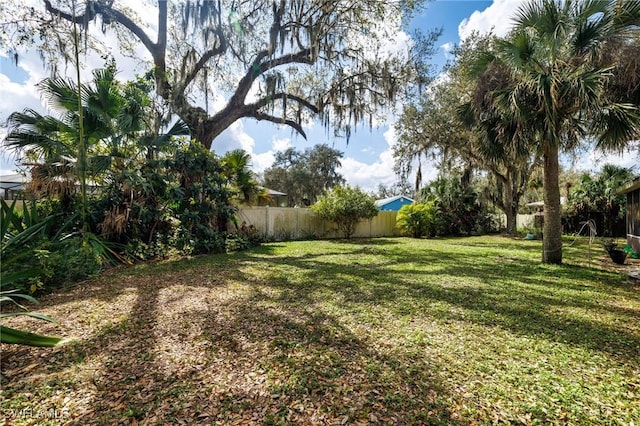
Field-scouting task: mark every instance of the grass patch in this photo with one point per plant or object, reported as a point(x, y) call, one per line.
point(385, 331)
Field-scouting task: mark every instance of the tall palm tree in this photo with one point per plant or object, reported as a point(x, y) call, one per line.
point(558, 91)
point(111, 116)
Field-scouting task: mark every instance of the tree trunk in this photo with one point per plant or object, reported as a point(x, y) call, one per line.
point(552, 230)
point(205, 131)
point(205, 128)
point(510, 207)
point(511, 211)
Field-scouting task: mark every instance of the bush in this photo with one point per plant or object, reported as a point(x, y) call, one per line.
point(417, 220)
point(68, 261)
point(345, 206)
point(202, 201)
point(36, 255)
point(457, 208)
point(179, 203)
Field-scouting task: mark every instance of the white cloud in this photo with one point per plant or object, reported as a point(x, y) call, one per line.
point(281, 144)
point(592, 160)
point(447, 48)
point(498, 16)
point(234, 137)
point(397, 45)
point(368, 176)
point(245, 141)
point(264, 160)
point(15, 97)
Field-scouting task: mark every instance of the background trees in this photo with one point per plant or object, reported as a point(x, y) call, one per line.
point(282, 61)
point(596, 198)
point(454, 125)
point(547, 88)
point(557, 91)
point(304, 175)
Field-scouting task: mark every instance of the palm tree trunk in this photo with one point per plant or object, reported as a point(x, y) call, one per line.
point(510, 207)
point(552, 230)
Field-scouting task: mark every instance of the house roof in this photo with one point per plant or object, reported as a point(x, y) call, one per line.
point(272, 191)
point(385, 201)
point(14, 178)
point(634, 185)
point(563, 201)
point(14, 181)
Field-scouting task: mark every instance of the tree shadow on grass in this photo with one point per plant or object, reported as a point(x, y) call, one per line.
point(369, 241)
point(527, 299)
point(268, 354)
point(246, 357)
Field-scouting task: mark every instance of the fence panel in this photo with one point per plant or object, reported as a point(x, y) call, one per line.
point(293, 223)
point(286, 223)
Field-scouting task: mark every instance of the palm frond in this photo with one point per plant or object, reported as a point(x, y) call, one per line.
point(626, 17)
point(60, 94)
point(617, 124)
point(31, 130)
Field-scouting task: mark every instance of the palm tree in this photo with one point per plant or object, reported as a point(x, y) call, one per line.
point(237, 169)
point(111, 117)
point(598, 198)
point(558, 91)
point(498, 143)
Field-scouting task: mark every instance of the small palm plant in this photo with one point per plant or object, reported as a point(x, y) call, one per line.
point(417, 219)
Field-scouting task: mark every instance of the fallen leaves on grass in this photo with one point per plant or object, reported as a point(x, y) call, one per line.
point(296, 334)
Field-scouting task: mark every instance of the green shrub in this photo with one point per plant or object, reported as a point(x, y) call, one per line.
point(458, 210)
point(417, 220)
point(21, 236)
point(345, 206)
point(201, 201)
point(37, 256)
point(68, 261)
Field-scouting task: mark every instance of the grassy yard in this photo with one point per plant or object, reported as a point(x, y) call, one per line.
point(385, 331)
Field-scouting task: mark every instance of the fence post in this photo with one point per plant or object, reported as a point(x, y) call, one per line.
point(266, 222)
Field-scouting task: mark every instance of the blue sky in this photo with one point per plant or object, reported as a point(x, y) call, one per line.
point(367, 158)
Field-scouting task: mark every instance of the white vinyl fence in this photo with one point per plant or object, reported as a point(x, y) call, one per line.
point(522, 220)
point(286, 223)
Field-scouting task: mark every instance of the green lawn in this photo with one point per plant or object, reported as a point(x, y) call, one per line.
point(384, 331)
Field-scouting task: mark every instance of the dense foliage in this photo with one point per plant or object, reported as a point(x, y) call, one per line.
point(458, 210)
point(345, 206)
point(596, 198)
point(417, 219)
point(152, 193)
